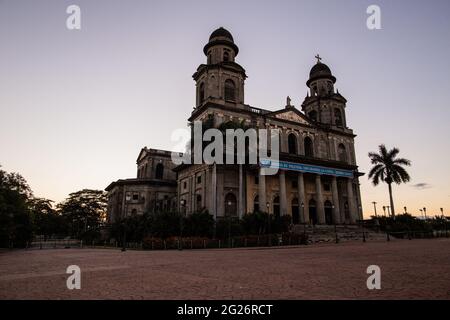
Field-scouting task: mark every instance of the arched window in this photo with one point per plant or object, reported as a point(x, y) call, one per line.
point(309, 150)
point(201, 94)
point(230, 90)
point(342, 154)
point(226, 56)
point(338, 117)
point(313, 115)
point(159, 172)
point(276, 206)
point(292, 143)
point(256, 204)
point(230, 205)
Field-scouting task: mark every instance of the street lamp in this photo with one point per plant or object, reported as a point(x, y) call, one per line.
point(425, 212)
point(229, 203)
point(268, 219)
point(180, 243)
point(406, 211)
point(384, 210)
point(375, 207)
point(442, 212)
point(303, 212)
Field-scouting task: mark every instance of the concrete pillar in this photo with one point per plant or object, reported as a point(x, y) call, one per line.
point(283, 198)
point(319, 204)
point(301, 198)
point(336, 211)
point(262, 191)
point(351, 201)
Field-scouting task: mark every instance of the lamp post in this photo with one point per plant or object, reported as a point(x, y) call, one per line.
point(421, 212)
point(375, 207)
point(302, 205)
point(442, 213)
point(268, 220)
point(406, 211)
point(180, 243)
point(229, 203)
point(384, 210)
point(425, 212)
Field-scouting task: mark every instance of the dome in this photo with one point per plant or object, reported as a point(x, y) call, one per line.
point(221, 36)
point(221, 33)
point(320, 71)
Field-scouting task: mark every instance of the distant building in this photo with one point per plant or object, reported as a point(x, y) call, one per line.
point(317, 146)
point(153, 190)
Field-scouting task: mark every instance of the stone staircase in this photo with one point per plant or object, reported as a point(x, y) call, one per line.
point(327, 233)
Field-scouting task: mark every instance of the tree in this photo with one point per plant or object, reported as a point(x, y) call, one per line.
point(46, 220)
point(15, 223)
point(84, 211)
point(389, 169)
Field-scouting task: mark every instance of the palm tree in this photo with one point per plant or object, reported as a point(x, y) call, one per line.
point(387, 168)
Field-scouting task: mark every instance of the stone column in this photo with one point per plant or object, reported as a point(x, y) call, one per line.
point(262, 191)
point(319, 204)
point(283, 199)
point(301, 198)
point(351, 201)
point(336, 211)
point(241, 192)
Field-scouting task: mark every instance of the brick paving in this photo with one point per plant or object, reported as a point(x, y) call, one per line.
point(416, 269)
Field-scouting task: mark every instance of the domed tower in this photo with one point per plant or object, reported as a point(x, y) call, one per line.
point(221, 79)
point(322, 104)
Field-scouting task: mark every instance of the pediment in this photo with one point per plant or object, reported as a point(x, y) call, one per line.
point(291, 115)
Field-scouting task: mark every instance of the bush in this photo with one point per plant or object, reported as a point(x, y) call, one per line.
point(199, 224)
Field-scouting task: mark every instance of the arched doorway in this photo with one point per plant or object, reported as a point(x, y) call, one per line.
point(256, 204)
point(230, 205)
point(276, 206)
point(328, 206)
point(295, 211)
point(312, 211)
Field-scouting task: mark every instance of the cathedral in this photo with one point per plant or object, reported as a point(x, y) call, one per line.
point(317, 180)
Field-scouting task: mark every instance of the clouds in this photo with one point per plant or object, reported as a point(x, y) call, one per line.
point(421, 186)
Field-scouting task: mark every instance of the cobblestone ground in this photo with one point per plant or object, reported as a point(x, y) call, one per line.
point(409, 270)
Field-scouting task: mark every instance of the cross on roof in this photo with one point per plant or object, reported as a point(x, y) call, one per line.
point(318, 58)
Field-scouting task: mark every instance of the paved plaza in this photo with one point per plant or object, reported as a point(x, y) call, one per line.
point(416, 269)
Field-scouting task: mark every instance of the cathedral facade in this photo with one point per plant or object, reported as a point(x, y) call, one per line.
point(317, 180)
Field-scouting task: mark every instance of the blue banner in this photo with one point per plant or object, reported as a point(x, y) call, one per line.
point(290, 166)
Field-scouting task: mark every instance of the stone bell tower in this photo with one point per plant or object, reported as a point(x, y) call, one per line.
point(323, 104)
point(221, 79)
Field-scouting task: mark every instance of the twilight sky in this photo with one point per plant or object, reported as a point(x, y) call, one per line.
point(77, 106)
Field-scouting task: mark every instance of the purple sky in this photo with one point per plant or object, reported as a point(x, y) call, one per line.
point(77, 106)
